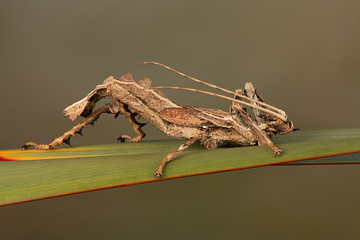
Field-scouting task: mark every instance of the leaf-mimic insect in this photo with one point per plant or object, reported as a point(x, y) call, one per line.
point(212, 127)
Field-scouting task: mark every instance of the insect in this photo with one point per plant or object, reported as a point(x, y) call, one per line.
point(212, 127)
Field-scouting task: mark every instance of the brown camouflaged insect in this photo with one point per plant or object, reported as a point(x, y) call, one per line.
point(212, 127)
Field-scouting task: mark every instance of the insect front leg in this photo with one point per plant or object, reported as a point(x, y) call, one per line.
point(77, 129)
point(173, 154)
point(261, 137)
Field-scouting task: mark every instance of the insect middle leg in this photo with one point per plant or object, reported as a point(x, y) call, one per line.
point(173, 154)
point(135, 124)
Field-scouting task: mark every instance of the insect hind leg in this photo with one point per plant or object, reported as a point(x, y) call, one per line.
point(77, 129)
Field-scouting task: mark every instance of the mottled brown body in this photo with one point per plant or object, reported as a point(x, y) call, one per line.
point(210, 126)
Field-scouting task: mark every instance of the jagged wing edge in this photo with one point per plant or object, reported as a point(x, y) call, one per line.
point(85, 106)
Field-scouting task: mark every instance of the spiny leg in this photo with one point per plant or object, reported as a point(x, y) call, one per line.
point(173, 154)
point(135, 124)
point(261, 136)
point(77, 129)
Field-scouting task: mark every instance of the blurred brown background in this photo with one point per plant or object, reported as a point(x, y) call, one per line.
point(303, 56)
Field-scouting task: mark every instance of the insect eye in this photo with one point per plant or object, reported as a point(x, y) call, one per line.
point(279, 122)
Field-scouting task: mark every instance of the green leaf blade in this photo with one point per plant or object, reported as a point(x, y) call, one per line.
point(43, 174)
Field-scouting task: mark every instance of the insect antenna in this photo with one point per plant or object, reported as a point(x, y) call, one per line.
point(225, 97)
point(281, 112)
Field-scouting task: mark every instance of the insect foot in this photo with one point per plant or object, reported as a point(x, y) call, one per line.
point(158, 174)
point(122, 138)
point(136, 139)
point(132, 139)
point(278, 153)
point(37, 146)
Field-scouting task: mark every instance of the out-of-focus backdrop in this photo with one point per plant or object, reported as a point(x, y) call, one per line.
point(303, 56)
